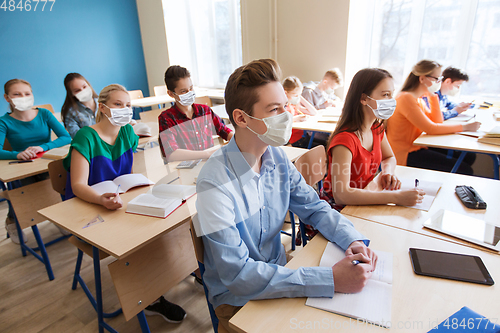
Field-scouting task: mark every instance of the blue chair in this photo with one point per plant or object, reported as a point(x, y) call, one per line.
point(199, 251)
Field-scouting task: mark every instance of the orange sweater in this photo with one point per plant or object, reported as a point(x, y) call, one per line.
point(410, 119)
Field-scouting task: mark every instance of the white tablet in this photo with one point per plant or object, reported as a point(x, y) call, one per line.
point(465, 227)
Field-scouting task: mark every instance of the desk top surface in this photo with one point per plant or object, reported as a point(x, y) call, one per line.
point(412, 219)
point(418, 302)
point(464, 142)
point(11, 172)
point(121, 233)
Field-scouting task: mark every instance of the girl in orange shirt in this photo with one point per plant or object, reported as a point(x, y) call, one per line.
point(412, 117)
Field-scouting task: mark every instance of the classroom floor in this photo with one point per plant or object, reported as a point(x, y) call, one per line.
point(32, 303)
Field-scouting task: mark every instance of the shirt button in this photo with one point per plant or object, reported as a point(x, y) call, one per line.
point(265, 230)
point(263, 207)
point(196, 132)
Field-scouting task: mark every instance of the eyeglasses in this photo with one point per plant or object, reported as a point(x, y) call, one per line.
point(438, 79)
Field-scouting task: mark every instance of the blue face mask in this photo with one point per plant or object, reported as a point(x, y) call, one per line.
point(385, 107)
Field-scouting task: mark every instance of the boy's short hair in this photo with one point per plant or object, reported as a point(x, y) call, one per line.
point(455, 74)
point(291, 83)
point(336, 75)
point(241, 86)
point(173, 74)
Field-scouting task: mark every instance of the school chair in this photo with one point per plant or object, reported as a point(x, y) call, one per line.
point(58, 176)
point(136, 94)
point(312, 166)
point(203, 100)
point(49, 107)
point(200, 251)
point(160, 91)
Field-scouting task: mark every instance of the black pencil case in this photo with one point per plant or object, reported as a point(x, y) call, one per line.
point(469, 197)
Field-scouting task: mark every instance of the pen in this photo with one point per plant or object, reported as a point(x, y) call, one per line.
point(416, 183)
point(20, 161)
point(117, 189)
point(355, 262)
point(173, 180)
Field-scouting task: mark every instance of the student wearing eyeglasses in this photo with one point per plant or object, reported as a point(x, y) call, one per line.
point(413, 116)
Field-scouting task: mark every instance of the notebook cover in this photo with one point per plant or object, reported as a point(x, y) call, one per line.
point(466, 320)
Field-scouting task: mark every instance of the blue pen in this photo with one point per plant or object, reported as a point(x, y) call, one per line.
point(355, 262)
point(117, 189)
point(416, 183)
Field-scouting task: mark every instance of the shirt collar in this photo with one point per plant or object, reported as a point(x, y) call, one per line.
point(240, 165)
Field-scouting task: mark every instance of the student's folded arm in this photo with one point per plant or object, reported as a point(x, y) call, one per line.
point(63, 137)
point(417, 117)
point(228, 253)
point(311, 110)
point(5, 154)
point(79, 178)
point(342, 191)
point(222, 130)
point(305, 202)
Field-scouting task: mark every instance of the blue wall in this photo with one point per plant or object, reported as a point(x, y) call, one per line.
point(99, 39)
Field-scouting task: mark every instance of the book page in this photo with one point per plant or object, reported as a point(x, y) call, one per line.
point(130, 180)
point(107, 186)
point(373, 303)
point(173, 191)
point(431, 189)
point(149, 200)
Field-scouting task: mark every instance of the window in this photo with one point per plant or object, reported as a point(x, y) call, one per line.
point(396, 34)
point(205, 37)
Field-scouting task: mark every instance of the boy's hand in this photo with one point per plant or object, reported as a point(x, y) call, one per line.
point(349, 278)
point(462, 107)
point(358, 247)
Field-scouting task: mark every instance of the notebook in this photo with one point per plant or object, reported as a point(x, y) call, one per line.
point(373, 303)
point(161, 201)
point(466, 320)
point(431, 189)
point(126, 182)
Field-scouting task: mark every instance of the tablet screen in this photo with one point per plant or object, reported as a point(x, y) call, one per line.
point(450, 266)
point(465, 227)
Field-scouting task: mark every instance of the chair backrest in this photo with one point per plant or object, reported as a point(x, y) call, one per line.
point(6, 145)
point(135, 94)
point(46, 106)
point(312, 165)
point(58, 176)
point(160, 90)
point(203, 100)
point(197, 241)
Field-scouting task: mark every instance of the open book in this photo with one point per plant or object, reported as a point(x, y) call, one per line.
point(373, 303)
point(126, 182)
point(431, 189)
point(161, 201)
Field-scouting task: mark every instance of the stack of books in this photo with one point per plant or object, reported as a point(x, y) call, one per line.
point(491, 137)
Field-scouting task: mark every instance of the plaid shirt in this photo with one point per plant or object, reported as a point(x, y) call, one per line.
point(177, 131)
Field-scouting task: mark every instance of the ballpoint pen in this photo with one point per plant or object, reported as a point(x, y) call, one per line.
point(416, 183)
point(117, 189)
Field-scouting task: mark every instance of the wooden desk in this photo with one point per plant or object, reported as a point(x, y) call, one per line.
point(465, 143)
point(412, 219)
point(418, 303)
point(151, 101)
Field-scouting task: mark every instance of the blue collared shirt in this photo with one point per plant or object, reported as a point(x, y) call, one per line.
point(78, 118)
point(447, 107)
point(240, 215)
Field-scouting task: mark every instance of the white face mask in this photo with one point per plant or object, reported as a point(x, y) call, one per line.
point(435, 86)
point(279, 129)
point(329, 91)
point(85, 95)
point(120, 117)
point(187, 99)
point(385, 107)
point(454, 91)
point(294, 100)
point(23, 103)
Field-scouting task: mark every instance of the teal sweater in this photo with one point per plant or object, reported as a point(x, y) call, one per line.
point(24, 134)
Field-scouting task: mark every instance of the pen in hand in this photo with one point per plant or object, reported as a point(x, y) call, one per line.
point(117, 189)
point(416, 183)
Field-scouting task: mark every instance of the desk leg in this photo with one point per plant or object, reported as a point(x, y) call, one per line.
point(311, 140)
point(143, 322)
point(458, 162)
point(43, 252)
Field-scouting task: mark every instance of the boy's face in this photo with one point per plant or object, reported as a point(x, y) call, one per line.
point(448, 85)
point(272, 101)
point(330, 83)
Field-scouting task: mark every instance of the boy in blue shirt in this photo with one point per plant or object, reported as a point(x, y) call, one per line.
point(453, 78)
point(244, 192)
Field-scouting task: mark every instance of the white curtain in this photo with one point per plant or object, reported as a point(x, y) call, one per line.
point(205, 37)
